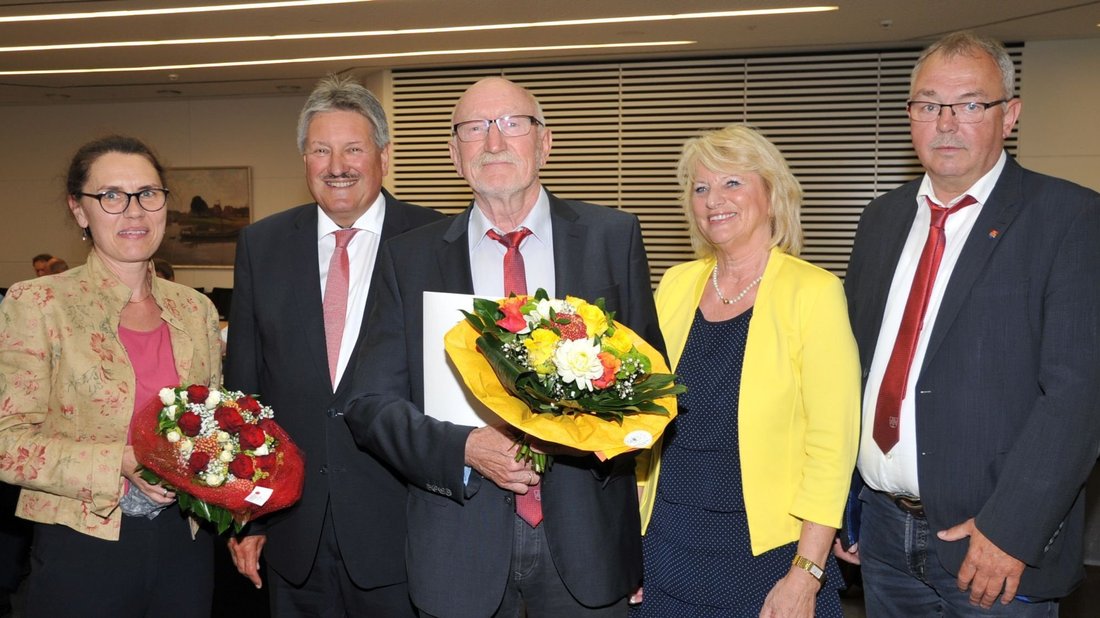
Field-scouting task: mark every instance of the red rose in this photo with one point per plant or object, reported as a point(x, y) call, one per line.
point(249, 404)
point(197, 462)
point(197, 393)
point(267, 462)
point(512, 321)
point(228, 418)
point(242, 467)
point(268, 425)
point(251, 437)
point(190, 423)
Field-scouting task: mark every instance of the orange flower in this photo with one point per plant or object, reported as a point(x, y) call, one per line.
point(513, 321)
point(611, 366)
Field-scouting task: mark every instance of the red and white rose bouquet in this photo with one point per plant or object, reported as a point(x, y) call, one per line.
point(220, 451)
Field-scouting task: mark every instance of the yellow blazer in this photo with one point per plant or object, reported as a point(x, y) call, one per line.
point(67, 388)
point(798, 412)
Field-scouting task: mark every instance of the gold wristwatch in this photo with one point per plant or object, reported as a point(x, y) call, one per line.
point(810, 567)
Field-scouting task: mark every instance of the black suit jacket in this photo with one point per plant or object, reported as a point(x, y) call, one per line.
point(460, 536)
point(277, 349)
point(1008, 398)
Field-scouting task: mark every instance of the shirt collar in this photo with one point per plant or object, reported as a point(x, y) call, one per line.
point(538, 221)
point(980, 190)
point(370, 221)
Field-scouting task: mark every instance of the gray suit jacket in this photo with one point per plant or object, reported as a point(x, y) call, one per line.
point(1008, 398)
point(277, 349)
point(460, 537)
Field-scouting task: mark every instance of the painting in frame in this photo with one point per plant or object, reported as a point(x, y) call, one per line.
point(207, 208)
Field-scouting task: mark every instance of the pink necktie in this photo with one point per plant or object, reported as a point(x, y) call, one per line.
point(528, 505)
point(336, 299)
point(896, 377)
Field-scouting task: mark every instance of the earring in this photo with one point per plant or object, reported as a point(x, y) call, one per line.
point(84, 234)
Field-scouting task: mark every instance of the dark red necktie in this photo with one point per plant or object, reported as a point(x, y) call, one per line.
point(528, 505)
point(335, 304)
point(896, 377)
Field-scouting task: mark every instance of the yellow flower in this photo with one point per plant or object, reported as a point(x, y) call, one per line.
point(540, 349)
point(619, 343)
point(595, 320)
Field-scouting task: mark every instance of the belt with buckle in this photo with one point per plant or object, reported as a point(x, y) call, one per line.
point(909, 504)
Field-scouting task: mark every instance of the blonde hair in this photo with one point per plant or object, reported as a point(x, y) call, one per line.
point(742, 148)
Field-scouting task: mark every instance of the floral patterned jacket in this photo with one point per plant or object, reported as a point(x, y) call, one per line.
point(67, 389)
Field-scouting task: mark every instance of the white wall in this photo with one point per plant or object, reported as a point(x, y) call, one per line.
point(1060, 121)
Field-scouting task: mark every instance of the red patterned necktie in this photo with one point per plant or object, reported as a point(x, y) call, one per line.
point(896, 377)
point(336, 299)
point(528, 505)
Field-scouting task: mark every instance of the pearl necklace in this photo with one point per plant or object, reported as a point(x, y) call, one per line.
point(735, 299)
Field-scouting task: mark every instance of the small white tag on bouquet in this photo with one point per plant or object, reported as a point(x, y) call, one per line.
point(259, 495)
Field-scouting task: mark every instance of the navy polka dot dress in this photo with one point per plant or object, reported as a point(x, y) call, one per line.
point(698, 561)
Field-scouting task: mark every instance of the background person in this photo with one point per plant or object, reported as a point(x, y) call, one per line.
point(979, 428)
point(79, 353)
point(753, 474)
point(40, 263)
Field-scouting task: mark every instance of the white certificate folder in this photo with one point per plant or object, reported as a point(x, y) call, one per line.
point(445, 395)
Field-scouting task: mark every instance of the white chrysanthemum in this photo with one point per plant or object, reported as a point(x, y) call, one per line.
point(167, 396)
point(578, 362)
point(213, 399)
point(173, 436)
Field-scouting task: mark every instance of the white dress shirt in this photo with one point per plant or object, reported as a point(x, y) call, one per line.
point(362, 251)
point(896, 471)
point(487, 255)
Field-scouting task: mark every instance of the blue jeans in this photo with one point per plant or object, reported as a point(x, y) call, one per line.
point(903, 576)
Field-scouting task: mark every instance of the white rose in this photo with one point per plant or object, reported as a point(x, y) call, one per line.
point(226, 456)
point(213, 399)
point(543, 307)
point(186, 446)
point(215, 480)
point(222, 436)
point(167, 396)
point(172, 412)
point(262, 450)
point(173, 436)
point(578, 361)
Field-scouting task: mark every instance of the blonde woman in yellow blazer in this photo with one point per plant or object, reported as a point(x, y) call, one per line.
point(797, 410)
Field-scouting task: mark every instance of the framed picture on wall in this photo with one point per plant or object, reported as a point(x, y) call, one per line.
point(207, 208)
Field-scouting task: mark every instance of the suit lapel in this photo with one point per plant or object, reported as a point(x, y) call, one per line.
point(453, 256)
point(568, 265)
point(997, 214)
point(305, 280)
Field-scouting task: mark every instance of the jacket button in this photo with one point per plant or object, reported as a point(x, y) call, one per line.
point(324, 469)
point(333, 413)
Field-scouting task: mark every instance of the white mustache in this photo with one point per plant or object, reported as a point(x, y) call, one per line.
point(948, 141)
point(500, 157)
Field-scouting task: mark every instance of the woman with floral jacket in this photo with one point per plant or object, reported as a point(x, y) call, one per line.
point(79, 352)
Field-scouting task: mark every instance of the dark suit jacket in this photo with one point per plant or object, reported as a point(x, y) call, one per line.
point(277, 349)
point(1008, 398)
point(460, 537)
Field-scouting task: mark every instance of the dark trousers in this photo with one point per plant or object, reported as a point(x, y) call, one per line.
point(903, 576)
point(328, 591)
point(155, 569)
point(535, 589)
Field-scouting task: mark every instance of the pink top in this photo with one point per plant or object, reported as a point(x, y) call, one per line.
point(151, 357)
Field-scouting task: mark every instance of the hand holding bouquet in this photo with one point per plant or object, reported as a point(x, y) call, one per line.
point(564, 371)
point(220, 451)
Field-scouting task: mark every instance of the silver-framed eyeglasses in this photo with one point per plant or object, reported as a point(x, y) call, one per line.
point(509, 126)
point(115, 202)
point(963, 111)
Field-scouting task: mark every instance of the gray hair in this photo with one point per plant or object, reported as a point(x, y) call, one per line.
point(969, 43)
point(335, 93)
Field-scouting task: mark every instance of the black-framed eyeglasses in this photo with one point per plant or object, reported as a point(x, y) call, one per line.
point(963, 111)
point(115, 202)
point(509, 126)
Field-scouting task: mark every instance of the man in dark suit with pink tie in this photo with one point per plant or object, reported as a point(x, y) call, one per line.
point(974, 298)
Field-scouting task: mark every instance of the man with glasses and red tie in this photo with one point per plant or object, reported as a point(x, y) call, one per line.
point(486, 538)
point(300, 298)
point(974, 298)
